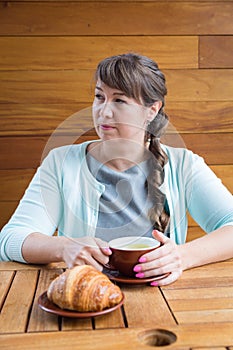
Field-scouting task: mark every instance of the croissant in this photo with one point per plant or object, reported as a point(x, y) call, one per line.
point(83, 288)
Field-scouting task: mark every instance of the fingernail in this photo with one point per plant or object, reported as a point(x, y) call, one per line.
point(137, 268)
point(154, 284)
point(108, 250)
point(142, 259)
point(140, 275)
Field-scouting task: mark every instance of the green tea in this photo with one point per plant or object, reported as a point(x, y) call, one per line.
point(137, 246)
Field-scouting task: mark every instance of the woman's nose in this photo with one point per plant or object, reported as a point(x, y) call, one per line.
point(106, 110)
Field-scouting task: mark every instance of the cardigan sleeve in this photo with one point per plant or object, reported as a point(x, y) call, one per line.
point(38, 211)
point(209, 202)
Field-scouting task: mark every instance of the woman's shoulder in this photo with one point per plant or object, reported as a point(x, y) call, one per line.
point(65, 157)
point(183, 160)
point(69, 152)
point(179, 153)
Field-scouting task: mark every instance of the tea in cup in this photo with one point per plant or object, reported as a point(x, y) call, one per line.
point(127, 250)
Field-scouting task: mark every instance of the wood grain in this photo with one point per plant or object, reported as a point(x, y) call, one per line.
point(77, 86)
point(189, 299)
point(7, 277)
point(216, 149)
point(21, 294)
point(85, 52)
point(138, 301)
point(31, 119)
point(186, 317)
point(191, 282)
point(44, 119)
point(27, 152)
point(194, 231)
point(216, 52)
point(208, 336)
point(14, 183)
point(127, 18)
point(201, 117)
point(6, 209)
point(39, 320)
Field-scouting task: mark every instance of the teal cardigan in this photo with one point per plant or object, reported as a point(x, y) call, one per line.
point(64, 196)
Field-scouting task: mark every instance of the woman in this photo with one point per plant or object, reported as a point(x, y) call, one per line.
point(125, 183)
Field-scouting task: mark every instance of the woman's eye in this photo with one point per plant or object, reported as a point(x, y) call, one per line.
point(119, 100)
point(99, 97)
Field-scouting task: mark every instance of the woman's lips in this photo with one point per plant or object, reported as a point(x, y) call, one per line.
point(106, 127)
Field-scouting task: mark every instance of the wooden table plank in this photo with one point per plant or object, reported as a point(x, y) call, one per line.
point(11, 266)
point(76, 324)
point(203, 295)
point(112, 320)
point(14, 314)
point(41, 321)
point(6, 278)
point(208, 336)
point(212, 275)
point(206, 348)
point(204, 313)
point(198, 293)
point(204, 316)
point(201, 304)
point(203, 282)
point(139, 299)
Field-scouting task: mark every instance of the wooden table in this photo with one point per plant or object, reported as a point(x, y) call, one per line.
point(196, 312)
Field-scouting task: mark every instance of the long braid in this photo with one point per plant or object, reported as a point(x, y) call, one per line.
point(157, 214)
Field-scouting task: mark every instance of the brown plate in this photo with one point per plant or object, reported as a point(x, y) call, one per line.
point(118, 277)
point(48, 306)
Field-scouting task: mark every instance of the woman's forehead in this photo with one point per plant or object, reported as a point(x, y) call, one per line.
point(101, 86)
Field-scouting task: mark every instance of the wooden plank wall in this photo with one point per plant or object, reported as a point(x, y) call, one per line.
point(48, 52)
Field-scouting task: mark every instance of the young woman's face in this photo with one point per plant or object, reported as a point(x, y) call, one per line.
point(118, 116)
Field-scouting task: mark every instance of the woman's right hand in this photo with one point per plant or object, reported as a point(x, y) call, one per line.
point(85, 251)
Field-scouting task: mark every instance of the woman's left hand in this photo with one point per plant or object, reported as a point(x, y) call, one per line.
point(163, 260)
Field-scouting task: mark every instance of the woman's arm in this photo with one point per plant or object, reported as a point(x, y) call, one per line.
point(42, 249)
point(216, 246)
point(38, 248)
point(39, 210)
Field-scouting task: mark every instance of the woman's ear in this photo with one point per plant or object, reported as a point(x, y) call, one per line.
point(153, 110)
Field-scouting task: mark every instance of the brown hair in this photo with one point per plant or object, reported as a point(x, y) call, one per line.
point(140, 78)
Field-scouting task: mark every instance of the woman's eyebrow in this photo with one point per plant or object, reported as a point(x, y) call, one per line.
point(119, 93)
point(98, 88)
point(115, 93)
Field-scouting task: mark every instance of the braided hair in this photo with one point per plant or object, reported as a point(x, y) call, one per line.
point(140, 78)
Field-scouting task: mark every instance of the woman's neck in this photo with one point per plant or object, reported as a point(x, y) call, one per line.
point(120, 154)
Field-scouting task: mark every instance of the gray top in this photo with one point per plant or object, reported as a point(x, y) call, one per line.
point(124, 204)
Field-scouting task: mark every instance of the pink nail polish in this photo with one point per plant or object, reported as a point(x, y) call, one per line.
point(154, 284)
point(142, 259)
point(108, 250)
point(140, 275)
point(137, 268)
